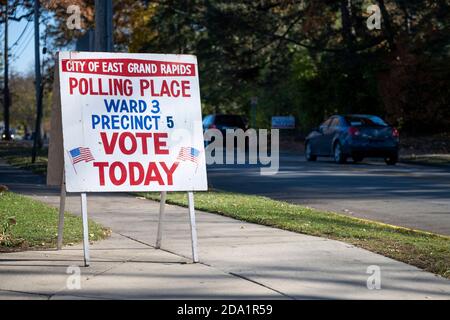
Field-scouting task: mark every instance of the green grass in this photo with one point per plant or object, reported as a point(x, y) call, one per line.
point(425, 250)
point(431, 159)
point(26, 223)
point(18, 154)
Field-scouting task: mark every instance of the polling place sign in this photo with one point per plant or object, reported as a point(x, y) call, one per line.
point(131, 122)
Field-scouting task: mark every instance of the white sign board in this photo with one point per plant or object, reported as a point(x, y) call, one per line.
point(131, 122)
point(283, 122)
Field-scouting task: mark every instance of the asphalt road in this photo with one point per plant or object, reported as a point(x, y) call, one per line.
point(413, 196)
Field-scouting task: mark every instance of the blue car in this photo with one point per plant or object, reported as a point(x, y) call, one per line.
point(356, 136)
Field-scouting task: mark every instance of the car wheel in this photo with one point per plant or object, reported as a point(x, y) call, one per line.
point(339, 157)
point(357, 159)
point(391, 160)
point(308, 153)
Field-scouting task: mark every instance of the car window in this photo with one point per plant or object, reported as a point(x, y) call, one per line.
point(230, 121)
point(207, 120)
point(334, 122)
point(326, 123)
point(357, 121)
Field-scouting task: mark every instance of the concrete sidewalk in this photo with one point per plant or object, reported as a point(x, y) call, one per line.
point(237, 259)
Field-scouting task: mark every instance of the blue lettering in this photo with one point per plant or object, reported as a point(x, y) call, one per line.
point(115, 122)
point(142, 106)
point(125, 125)
point(113, 104)
point(95, 120)
point(105, 122)
point(133, 106)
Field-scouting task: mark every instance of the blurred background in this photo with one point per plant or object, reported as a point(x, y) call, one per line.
point(261, 59)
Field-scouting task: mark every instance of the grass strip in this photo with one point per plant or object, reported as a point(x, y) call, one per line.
point(26, 223)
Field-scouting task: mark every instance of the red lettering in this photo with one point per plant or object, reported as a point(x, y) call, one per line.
point(152, 89)
point(101, 171)
point(73, 83)
point(185, 86)
point(92, 92)
point(135, 181)
point(164, 89)
point(153, 174)
point(122, 144)
point(137, 174)
point(144, 137)
point(112, 173)
point(144, 85)
point(159, 143)
point(169, 171)
point(175, 91)
point(100, 89)
point(109, 146)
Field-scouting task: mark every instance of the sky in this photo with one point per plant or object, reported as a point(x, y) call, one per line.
point(21, 50)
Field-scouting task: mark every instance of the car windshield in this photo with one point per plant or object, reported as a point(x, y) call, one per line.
point(356, 121)
point(229, 120)
point(207, 120)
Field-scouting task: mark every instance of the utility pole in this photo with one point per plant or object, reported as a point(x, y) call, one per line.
point(254, 105)
point(6, 100)
point(37, 69)
point(103, 26)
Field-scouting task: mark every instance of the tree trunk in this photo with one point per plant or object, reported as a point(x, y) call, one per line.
point(388, 31)
point(349, 56)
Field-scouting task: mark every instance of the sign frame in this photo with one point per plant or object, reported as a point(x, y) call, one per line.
point(56, 174)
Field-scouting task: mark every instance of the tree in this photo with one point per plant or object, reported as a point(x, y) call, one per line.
point(302, 57)
point(23, 106)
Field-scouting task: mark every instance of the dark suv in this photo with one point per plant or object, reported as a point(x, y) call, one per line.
point(223, 122)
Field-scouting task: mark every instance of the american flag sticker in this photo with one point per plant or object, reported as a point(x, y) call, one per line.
point(189, 154)
point(81, 154)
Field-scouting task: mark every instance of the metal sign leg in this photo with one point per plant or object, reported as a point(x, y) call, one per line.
point(193, 226)
point(162, 206)
point(62, 207)
point(85, 229)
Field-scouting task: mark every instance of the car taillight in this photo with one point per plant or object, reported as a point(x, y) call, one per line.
point(395, 133)
point(353, 131)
